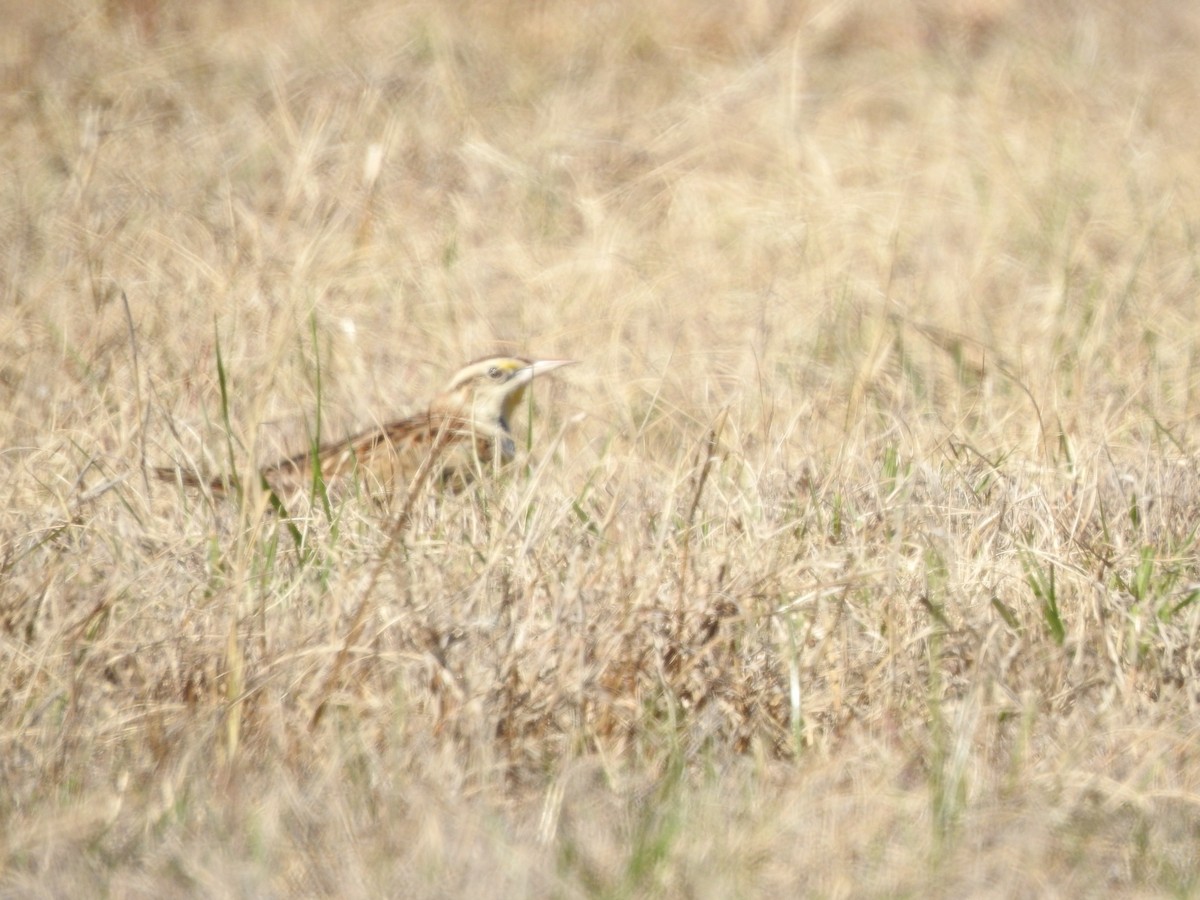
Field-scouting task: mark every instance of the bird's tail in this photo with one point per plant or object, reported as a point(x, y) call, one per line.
point(187, 478)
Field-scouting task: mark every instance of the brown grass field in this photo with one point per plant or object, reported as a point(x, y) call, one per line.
point(857, 557)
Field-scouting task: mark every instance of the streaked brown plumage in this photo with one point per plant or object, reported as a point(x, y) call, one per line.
point(464, 433)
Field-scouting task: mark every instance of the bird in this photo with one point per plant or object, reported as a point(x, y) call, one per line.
point(464, 433)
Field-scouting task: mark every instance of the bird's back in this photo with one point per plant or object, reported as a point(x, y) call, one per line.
point(397, 457)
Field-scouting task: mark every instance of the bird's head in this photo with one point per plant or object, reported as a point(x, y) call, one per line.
point(486, 391)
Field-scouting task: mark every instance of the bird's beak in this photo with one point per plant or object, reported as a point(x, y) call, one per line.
point(541, 367)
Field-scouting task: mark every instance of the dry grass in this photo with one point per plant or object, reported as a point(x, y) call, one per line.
point(858, 558)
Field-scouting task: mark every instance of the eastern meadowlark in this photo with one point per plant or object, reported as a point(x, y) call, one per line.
point(463, 433)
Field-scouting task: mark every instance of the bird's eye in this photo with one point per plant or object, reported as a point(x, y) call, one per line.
point(494, 373)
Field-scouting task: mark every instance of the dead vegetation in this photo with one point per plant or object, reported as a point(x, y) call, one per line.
point(858, 558)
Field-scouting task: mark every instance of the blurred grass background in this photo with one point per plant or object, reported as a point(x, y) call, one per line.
point(858, 557)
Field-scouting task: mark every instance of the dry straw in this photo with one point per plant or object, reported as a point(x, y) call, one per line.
point(858, 557)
